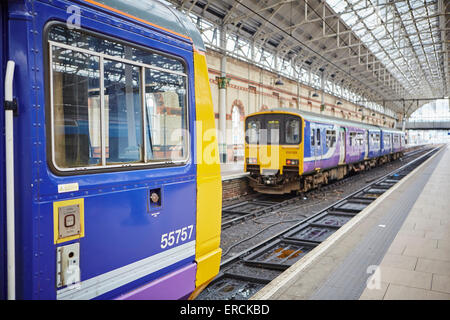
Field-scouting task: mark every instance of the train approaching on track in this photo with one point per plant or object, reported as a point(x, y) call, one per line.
point(290, 150)
point(103, 192)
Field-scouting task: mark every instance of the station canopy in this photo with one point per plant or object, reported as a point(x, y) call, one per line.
point(382, 54)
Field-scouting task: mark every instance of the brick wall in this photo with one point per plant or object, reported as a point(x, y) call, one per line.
point(234, 188)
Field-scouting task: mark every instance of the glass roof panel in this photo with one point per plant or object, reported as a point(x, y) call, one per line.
point(403, 35)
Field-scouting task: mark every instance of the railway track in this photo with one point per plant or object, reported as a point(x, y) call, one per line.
point(245, 273)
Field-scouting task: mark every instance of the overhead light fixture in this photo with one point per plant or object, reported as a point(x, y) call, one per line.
point(338, 103)
point(279, 82)
point(360, 109)
point(315, 94)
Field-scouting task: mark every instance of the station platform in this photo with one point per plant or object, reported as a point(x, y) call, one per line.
point(232, 170)
point(397, 248)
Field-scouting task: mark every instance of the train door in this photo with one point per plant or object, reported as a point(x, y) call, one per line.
point(342, 145)
point(319, 149)
point(391, 143)
point(366, 142)
point(313, 143)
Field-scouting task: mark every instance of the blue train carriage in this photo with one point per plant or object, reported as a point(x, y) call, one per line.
point(105, 194)
point(291, 150)
point(392, 144)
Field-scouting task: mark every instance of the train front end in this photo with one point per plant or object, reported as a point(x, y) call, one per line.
point(274, 151)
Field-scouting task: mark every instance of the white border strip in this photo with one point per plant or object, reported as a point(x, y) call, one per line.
point(280, 282)
point(114, 279)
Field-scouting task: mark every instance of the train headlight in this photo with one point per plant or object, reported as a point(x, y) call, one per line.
point(292, 162)
point(252, 161)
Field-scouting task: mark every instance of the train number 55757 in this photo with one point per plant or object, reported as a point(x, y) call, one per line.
point(174, 237)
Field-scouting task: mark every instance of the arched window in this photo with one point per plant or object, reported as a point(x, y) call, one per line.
point(237, 129)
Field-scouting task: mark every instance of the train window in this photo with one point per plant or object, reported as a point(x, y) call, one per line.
point(165, 95)
point(100, 114)
point(273, 131)
point(76, 109)
point(376, 139)
point(292, 131)
point(353, 141)
point(266, 129)
point(396, 139)
point(330, 138)
point(157, 60)
point(313, 136)
point(252, 132)
point(83, 40)
point(360, 139)
point(124, 141)
point(356, 139)
point(318, 136)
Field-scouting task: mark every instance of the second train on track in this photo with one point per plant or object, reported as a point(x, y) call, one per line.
point(291, 150)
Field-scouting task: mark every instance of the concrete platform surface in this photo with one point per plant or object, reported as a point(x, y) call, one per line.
point(396, 248)
point(232, 170)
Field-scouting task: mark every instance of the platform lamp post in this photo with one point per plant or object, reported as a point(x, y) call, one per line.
point(222, 83)
point(322, 89)
point(279, 82)
point(338, 103)
point(404, 117)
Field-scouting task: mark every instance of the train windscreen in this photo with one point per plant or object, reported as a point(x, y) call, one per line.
point(273, 129)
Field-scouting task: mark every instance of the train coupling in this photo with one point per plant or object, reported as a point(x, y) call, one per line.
point(270, 177)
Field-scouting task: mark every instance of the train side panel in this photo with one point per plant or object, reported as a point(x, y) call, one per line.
point(3, 272)
point(322, 146)
point(128, 239)
point(26, 146)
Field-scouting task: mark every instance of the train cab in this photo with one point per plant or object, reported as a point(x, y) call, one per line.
point(274, 145)
point(267, 149)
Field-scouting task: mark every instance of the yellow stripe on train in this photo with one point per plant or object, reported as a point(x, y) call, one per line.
point(209, 183)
